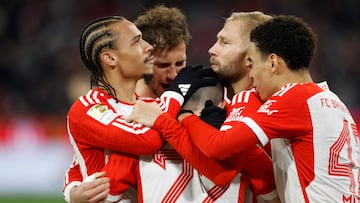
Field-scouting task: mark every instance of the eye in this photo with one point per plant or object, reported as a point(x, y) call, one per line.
point(162, 65)
point(136, 40)
point(179, 63)
point(223, 42)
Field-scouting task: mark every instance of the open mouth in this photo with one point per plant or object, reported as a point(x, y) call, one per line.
point(165, 86)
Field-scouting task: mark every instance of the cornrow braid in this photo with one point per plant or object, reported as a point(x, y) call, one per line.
point(93, 39)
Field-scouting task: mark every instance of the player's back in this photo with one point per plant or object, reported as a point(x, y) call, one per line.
point(319, 151)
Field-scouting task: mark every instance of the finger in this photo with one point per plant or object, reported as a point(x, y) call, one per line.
point(98, 193)
point(101, 196)
point(130, 118)
point(99, 174)
point(95, 183)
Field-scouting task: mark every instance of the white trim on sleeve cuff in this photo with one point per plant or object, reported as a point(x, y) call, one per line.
point(175, 95)
point(68, 189)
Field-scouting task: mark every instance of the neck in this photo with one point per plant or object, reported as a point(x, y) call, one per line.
point(244, 83)
point(300, 76)
point(124, 89)
point(144, 90)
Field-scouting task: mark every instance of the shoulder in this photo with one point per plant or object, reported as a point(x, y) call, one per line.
point(299, 90)
point(292, 97)
point(93, 99)
point(94, 96)
point(246, 96)
point(242, 104)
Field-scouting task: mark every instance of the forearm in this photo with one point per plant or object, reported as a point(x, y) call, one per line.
point(178, 138)
point(136, 144)
point(220, 144)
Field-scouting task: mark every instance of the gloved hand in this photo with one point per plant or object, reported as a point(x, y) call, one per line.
point(191, 78)
point(213, 114)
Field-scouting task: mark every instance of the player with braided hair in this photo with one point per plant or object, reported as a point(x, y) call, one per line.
point(116, 56)
point(167, 62)
point(113, 50)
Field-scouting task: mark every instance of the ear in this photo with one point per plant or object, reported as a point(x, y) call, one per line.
point(108, 58)
point(274, 62)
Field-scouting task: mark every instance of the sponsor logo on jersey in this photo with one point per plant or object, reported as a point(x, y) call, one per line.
point(265, 108)
point(235, 114)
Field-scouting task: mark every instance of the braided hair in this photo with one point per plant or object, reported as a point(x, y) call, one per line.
point(96, 37)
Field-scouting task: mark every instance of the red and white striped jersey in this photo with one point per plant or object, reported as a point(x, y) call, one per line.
point(167, 178)
point(315, 143)
point(257, 172)
point(97, 128)
point(318, 146)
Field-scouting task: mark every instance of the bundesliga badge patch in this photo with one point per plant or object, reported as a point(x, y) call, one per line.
point(101, 113)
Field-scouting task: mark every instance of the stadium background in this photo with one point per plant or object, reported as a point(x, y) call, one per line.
point(41, 73)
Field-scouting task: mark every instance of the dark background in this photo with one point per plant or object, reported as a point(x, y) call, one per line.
point(39, 59)
point(41, 73)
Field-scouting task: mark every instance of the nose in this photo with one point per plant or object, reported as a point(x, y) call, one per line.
point(212, 50)
point(172, 73)
point(148, 47)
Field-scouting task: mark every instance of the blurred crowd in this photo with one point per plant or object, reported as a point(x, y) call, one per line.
point(41, 72)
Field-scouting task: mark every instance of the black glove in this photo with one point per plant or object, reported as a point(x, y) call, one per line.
point(191, 78)
point(213, 114)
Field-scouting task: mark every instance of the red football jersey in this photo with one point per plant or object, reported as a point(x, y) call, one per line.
point(258, 168)
point(97, 128)
point(314, 140)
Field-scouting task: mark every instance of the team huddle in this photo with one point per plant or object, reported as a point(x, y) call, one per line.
point(252, 127)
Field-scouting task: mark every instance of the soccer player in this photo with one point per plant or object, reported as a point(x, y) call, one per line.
point(167, 30)
point(170, 56)
point(315, 141)
point(168, 61)
point(228, 59)
point(113, 50)
point(228, 56)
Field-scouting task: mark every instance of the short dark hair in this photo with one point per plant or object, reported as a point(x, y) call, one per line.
point(287, 36)
point(214, 93)
point(163, 27)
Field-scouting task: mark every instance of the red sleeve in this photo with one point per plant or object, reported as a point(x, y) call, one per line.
point(72, 178)
point(220, 144)
point(122, 170)
point(171, 102)
point(260, 171)
point(100, 127)
point(234, 136)
point(178, 138)
point(73, 174)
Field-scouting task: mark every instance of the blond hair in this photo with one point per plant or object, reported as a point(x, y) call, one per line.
point(250, 20)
